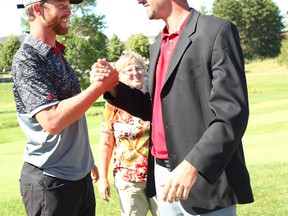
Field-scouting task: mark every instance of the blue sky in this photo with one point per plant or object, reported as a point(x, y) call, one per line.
point(123, 17)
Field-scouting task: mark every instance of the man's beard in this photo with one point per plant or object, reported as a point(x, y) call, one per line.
point(53, 23)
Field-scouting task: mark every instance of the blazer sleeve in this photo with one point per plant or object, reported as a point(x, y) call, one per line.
point(228, 101)
point(134, 101)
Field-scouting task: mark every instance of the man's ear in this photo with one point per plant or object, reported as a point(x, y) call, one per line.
point(37, 8)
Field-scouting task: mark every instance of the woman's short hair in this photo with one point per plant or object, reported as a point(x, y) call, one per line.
point(126, 58)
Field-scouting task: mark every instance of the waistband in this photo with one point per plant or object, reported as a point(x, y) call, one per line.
point(31, 165)
point(163, 163)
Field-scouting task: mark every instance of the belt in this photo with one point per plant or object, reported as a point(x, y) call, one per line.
point(163, 163)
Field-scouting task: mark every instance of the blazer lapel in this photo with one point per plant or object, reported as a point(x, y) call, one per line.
point(183, 42)
point(154, 52)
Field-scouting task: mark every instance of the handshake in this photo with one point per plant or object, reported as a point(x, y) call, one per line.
point(105, 73)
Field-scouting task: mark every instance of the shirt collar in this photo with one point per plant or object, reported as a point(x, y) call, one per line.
point(166, 34)
point(60, 46)
point(42, 47)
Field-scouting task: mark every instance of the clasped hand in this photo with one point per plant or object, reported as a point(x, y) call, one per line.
point(100, 70)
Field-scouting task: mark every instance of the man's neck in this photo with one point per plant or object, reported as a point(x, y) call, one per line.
point(176, 18)
point(44, 35)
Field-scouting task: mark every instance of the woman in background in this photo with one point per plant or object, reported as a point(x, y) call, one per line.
point(128, 137)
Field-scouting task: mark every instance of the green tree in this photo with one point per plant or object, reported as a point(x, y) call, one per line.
point(259, 24)
point(283, 57)
point(25, 27)
point(138, 43)
point(115, 48)
point(1, 63)
point(85, 41)
point(203, 10)
point(229, 10)
point(9, 49)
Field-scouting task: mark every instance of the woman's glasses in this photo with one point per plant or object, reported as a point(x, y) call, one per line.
point(129, 70)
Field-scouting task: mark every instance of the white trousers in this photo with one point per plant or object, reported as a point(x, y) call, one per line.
point(133, 200)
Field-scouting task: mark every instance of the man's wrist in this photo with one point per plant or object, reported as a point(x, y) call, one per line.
point(113, 92)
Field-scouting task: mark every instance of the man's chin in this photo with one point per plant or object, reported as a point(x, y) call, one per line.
point(62, 32)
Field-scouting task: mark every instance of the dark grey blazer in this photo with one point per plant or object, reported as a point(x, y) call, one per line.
point(205, 110)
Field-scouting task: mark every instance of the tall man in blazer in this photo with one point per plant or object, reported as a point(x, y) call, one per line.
point(195, 95)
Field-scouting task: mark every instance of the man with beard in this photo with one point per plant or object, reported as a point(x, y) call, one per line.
point(55, 178)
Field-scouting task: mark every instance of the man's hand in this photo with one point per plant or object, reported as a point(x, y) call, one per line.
point(94, 174)
point(179, 184)
point(101, 70)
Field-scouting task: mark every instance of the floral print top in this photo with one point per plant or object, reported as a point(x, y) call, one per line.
point(131, 145)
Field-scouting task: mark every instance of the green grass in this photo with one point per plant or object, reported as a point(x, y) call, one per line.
point(270, 186)
point(9, 127)
point(266, 136)
point(265, 141)
point(265, 145)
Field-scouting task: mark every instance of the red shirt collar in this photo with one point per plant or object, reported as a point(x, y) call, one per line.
point(166, 34)
point(60, 46)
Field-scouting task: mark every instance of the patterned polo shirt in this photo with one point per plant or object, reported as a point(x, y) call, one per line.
point(42, 78)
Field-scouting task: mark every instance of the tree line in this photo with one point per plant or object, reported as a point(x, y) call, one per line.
point(259, 23)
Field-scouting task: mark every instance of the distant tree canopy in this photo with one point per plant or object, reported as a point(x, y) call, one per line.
point(138, 43)
point(115, 48)
point(8, 51)
point(85, 41)
point(258, 21)
point(203, 10)
point(283, 57)
point(259, 24)
point(1, 63)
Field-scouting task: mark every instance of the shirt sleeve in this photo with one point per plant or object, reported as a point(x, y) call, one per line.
point(108, 118)
point(32, 84)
